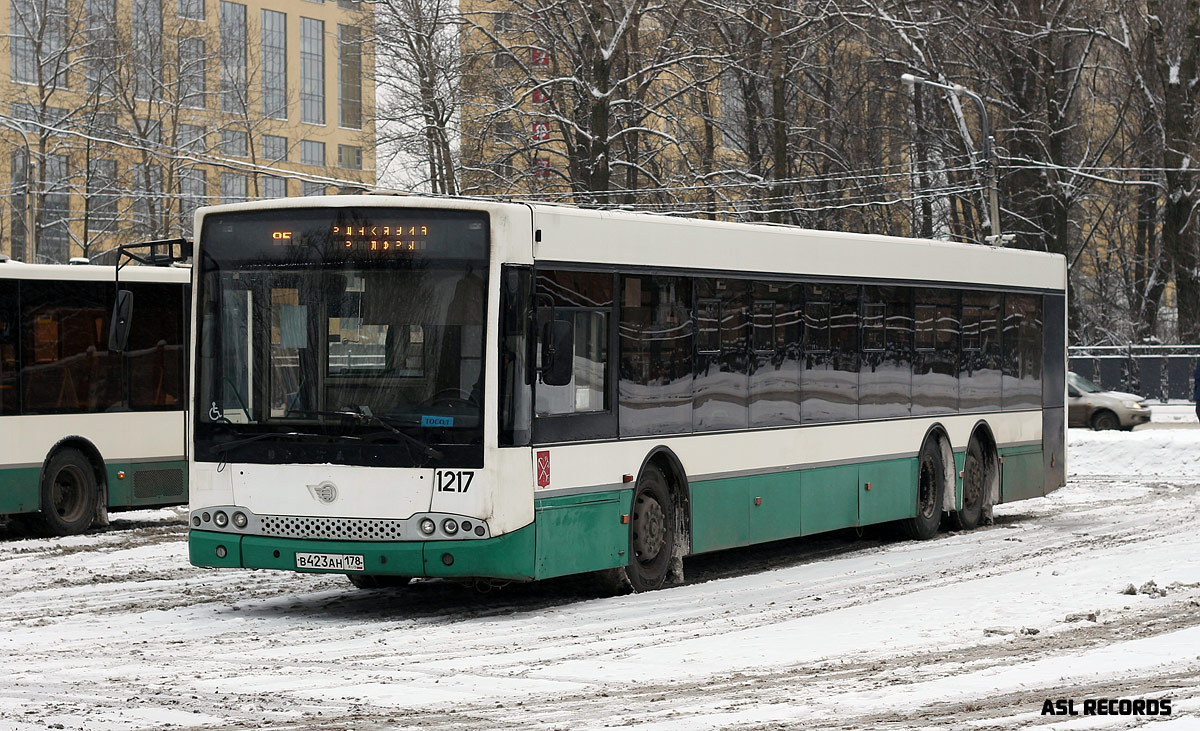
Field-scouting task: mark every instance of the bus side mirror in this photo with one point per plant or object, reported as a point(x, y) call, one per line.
point(558, 352)
point(118, 331)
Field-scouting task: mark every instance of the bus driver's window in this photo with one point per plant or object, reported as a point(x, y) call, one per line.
point(585, 300)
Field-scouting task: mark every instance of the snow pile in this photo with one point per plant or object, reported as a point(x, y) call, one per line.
point(1145, 453)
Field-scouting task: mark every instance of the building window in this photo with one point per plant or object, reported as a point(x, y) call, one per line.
point(312, 153)
point(146, 21)
point(504, 131)
point(541, 167)
point(102, 194)
point(193, 193)
point(350, 157)
point(191, 9)
point(312, 71)
point(192, 138)
point(233, 56)
point(538, 57)
point(309, 188)
point(540, 96)
point(272, 186)
point(354, 5)
point(349, 76)
point(19, 168)
point(234, 144)
point(55, 241)
point(503, 169)
point(503, 22)
point(274, 148)
point(541, 131)
point(233, 187)
point(34, 22)
point(192, 73)
point(147, 130)
point(274, 61)
point(102, 46)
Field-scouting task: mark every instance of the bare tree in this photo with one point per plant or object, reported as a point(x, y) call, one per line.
point(418, 68)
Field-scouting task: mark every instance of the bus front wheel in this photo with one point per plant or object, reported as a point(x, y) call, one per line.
point(931, 486)
point(651, 531)
point(68, 496)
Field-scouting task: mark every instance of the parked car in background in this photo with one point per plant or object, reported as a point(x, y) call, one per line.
point(1089, 405)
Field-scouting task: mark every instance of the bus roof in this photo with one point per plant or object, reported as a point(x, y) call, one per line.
point(93, 273)
point(569, 234)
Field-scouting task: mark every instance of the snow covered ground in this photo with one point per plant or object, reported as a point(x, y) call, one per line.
point(116, 630)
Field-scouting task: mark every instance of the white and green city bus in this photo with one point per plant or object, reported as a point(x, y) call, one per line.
point(87, 429)
point(397, 387)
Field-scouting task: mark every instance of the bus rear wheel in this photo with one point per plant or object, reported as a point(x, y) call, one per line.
point(974, 487)
point(931, 486)
point(68, 496)
point(651, 531)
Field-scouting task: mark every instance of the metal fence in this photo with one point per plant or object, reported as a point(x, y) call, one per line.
point(1154, 371)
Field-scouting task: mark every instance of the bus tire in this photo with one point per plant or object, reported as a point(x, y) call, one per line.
point(975, 488)
point(377, 581)
point(651, 531)
point(931, 486)
point(68, 496)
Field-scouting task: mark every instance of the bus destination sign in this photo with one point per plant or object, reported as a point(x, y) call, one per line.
point(384, 237)
point(390, 237)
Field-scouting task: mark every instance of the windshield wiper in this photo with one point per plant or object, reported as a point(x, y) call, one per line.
point(363, 413)
point(226, 446)
point(366, 413)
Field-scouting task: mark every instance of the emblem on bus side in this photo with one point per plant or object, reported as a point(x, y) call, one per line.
point(326, 491)
point(543, 468)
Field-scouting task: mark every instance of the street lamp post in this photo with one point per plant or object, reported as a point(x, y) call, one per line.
point(989, 154)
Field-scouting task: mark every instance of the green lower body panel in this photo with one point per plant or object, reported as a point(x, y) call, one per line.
point(740, 511)
point(888, 491)
point(829, 498)
point(509, 556)
point(147, 483)
point(582, 533)
point(1022, 474)
point(19, 490)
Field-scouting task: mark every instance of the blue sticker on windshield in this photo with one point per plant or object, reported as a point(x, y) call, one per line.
point(437, 420)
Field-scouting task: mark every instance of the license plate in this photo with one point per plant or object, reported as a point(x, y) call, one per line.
point(330, 561)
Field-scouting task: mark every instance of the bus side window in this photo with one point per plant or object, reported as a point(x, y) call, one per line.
point(584, 299)
point(9, 391)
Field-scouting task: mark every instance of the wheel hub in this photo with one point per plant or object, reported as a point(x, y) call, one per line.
point(649, 529)
point(68, 494)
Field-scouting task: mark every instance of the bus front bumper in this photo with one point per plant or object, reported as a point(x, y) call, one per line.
point(510, 556)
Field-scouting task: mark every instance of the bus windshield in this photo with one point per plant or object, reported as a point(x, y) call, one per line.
point(344, 336)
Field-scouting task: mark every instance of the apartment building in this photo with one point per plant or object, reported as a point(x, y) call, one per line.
point(120, 117)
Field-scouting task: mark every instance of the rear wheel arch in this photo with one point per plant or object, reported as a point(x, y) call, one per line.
point(934, 479)
point(672, 468)
point(980, 479)
point(939, 436)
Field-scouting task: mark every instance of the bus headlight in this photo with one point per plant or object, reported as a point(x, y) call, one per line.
point(449, 527)
point(428, 526)
point(221, 519)
point(239, 520)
